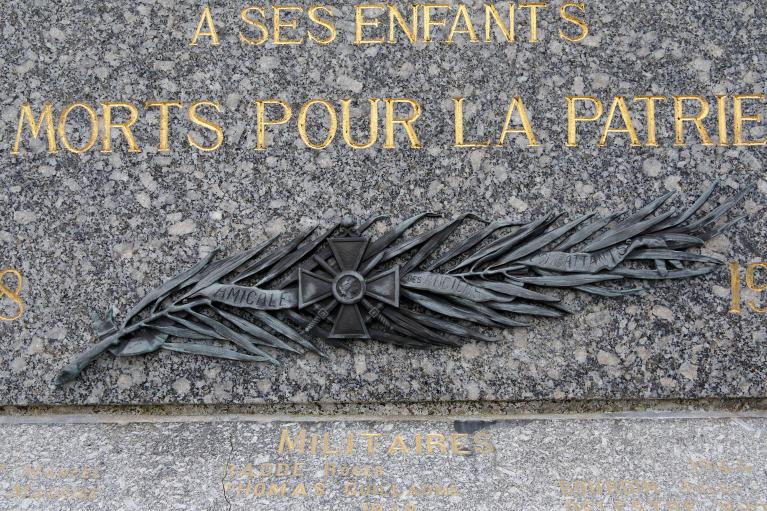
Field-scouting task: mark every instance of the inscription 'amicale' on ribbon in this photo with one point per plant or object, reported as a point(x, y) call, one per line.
point(251, 297)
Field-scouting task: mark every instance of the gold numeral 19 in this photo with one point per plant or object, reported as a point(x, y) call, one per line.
point(735, 286)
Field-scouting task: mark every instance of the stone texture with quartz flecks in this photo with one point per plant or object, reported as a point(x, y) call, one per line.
point(594, 462)
point(98, 230)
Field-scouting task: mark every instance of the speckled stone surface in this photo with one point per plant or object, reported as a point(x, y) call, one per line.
point(92, 230)
point(544, 464)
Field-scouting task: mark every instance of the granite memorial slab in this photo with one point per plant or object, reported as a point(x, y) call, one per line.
point(599, 462)
point(383, 256)
point(579, 186)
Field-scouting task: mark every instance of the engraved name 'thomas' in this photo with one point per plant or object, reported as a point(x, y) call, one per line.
point(251, 297)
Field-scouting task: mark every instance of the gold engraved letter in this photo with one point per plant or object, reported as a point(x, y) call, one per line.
point(721, 117)
point(468, 28)
point(739, 118)
point(483, 444)
point(750, 269)
point(346, 129)
point(620, 103)
point(406, 122)
point(650, 114)
point(125, 127)
point(533, 6)
point(262, 122)
point(371, 441)
point(492, 12)
point(411, 32)
point(195, 118)
point(360, 21)
point(326, 448)
point(331, 129)
point(459, 139)
point(13, 295)
point(456, 444)
point(735, 287)
point(92, 117)
point(35, 126)
point(279, 24)
point(575, 20)
point(680, 118)
point(164, 107)
point(398, 446)
point(572, 117)
point(286, 442)
point(527, 129)
point(206, 19)
point(435, 440)
point(428, 21)
point(246, 17)
point(331, 28)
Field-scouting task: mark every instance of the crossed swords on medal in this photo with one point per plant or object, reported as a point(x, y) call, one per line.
point(348, 286)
